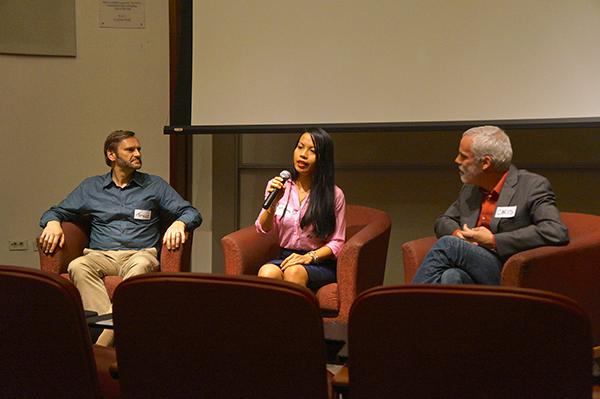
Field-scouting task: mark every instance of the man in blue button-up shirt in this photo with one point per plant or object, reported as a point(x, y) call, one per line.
point(124, 207)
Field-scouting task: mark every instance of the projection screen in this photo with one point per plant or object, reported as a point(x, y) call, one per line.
point(366, 61)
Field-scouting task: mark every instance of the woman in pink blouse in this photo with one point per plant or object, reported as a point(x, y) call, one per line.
point(308, 215)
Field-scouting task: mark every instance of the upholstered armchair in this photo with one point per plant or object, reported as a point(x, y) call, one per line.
point(76, 239)
point(238, 337)
point(360, 264)
point(46, 349)
point(572, 270)
point(466, 342)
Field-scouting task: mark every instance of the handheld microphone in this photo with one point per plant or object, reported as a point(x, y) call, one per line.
point(284, 174)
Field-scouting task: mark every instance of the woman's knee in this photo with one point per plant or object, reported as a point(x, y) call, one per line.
point(296, 274)
point(270, 271)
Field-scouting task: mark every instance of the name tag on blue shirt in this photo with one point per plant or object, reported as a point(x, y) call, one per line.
point(141, 214)
point(506, 211)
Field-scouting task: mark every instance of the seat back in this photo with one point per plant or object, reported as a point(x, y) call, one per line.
point(468, 342)
point(45, 348)
point(212, 336)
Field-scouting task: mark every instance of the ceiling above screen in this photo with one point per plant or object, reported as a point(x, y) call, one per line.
point(364, 61)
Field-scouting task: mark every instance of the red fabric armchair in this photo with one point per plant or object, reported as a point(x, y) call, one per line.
point(76, 239)
point(46, 349)
point(238, 337)
point(572, 270)
point(467, 342)
point(360, 265)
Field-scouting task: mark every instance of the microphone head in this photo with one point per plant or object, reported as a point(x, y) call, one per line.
point(285, 174)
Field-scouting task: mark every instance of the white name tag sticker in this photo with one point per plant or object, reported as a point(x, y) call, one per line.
point(506, 211)
point(141, 214)
point(279, 209)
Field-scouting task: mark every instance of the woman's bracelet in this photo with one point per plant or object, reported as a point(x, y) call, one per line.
point(314, 256)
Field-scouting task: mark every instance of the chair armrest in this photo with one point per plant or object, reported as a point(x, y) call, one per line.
point(572, 270)
point(361, 262)
point(246, 250)
point(413, 253)
point(106, 359)
point(76, 239)
point(553, 267)
point(177, 260)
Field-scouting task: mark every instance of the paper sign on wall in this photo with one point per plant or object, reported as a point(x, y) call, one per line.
point(122, 14)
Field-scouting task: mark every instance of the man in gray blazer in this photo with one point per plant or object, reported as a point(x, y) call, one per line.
point(500, 211)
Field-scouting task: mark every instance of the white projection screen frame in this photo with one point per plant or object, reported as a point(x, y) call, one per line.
point(261, 62)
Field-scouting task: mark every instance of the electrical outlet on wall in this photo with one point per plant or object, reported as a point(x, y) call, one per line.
point(18, 245)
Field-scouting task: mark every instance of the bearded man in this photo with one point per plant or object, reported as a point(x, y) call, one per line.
point(124, 207)
point(500, 211)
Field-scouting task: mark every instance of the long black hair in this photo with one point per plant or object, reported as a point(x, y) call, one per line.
point(321, 207)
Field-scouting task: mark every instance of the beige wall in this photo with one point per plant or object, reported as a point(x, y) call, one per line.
point(55, 113)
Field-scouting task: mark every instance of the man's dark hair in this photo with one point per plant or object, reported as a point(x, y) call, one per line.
point(112, 142)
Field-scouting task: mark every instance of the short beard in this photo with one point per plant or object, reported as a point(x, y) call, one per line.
point(470, 174)
point(128, 165)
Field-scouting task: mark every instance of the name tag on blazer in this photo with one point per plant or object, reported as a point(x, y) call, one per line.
point(506, 211)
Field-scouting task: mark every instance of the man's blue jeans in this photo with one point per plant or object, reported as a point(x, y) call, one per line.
point(452, 260)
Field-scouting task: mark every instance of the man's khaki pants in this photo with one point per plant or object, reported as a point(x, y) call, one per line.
point(87, 273)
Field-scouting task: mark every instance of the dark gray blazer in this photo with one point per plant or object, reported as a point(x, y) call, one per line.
point(536, 221)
